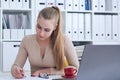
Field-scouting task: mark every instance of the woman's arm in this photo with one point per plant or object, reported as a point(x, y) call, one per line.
point(19, 61)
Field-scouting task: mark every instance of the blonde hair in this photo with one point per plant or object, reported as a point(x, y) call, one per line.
point(53, 13)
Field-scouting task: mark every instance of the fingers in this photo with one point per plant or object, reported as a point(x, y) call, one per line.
point(18, 73)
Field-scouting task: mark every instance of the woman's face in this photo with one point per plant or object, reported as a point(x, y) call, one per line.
point(44, 28)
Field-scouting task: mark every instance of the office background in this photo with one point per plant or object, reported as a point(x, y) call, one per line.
point(85, 22)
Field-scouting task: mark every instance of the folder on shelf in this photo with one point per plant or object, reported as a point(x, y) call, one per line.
point(69, 5)
point(20, 34)
point(87, 4)
point(101, 27)
point(95, 27)
point(25, 4)
point(82, 5)
point(28, 31)
point(112, 5)
point(60, 4)
point(108, 27)
point(13, 4)
point(81, 28)
point(13, 34)
point(95, 5)
point(19, 4)
point(101, 5)
point(115, 27)
point(68, 28)
point(50, 3)
point(5, 3)
point(75, 4)
point(40, 4)
point(88, 26)
point(75, 27)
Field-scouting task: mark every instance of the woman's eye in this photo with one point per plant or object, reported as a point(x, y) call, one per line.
point(47, 30)
point(39, 27)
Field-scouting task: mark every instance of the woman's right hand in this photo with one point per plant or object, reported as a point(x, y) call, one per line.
point(17, 72)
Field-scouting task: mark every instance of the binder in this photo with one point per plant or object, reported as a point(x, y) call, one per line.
point(19, 4)
point(95, 29)
point(87, 4)
point(40, 4)
point(6, 34)
point(101, 5)
point(108, 27)
point(13, 34)
point(111, 5)
point(60, 4)
point(75, 27)
point(115, 27)
point(81, 31)
point(69, 5)
point(28, 31)
point(50, 3)
point(95, 5)
point(25, 4)
point(20, 34)
point(13, 4)
point(5, 3)
point(82, 5)
point(101, 27)
point(87, 26)
point(68, 28)
point(75, 4)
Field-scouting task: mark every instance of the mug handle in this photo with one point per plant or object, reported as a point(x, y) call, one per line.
point(75, 71)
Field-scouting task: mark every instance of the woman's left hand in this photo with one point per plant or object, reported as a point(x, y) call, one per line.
point(38, 72)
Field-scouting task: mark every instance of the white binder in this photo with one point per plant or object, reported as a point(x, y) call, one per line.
point(60, 4)
point(13, 4)
point(75, 27)
point(101, 5)
point(50, 3)
point(40, 4)
point(19, 4)
point(6, 34)
point(82, 5)
point(14, 34)
point(25, 4)
point(69, 5)
point(95, 28)
point(115, 27)
point(5, 3)
point(108, 27)
point(20, 34)
point(101, 27)
point(111, 5)
point(75, 4)
point(28, 31)
point(81, 26)
point(95, 5)
point(68, 28)
point(87, 26)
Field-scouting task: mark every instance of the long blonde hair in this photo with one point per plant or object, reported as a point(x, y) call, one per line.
point(57, 35)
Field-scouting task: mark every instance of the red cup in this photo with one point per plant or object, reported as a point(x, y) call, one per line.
point(70, 72)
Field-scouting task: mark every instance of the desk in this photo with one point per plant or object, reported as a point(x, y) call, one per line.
point(8, 76)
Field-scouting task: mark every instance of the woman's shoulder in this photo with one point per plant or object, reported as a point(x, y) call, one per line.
point(29, 37)
point(67, 39)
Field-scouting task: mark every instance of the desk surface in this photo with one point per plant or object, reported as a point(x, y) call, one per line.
point(8, 76)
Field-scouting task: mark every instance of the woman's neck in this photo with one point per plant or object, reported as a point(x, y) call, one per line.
point(43, 43)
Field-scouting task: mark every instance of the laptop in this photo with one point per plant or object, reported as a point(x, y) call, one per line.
point(100, 62)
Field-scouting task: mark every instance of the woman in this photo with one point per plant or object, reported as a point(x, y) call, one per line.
point(48, 49)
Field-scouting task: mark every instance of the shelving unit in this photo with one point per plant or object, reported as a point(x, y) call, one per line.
point(16, 21)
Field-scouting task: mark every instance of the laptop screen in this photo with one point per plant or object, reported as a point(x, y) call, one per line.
point(100, 62)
